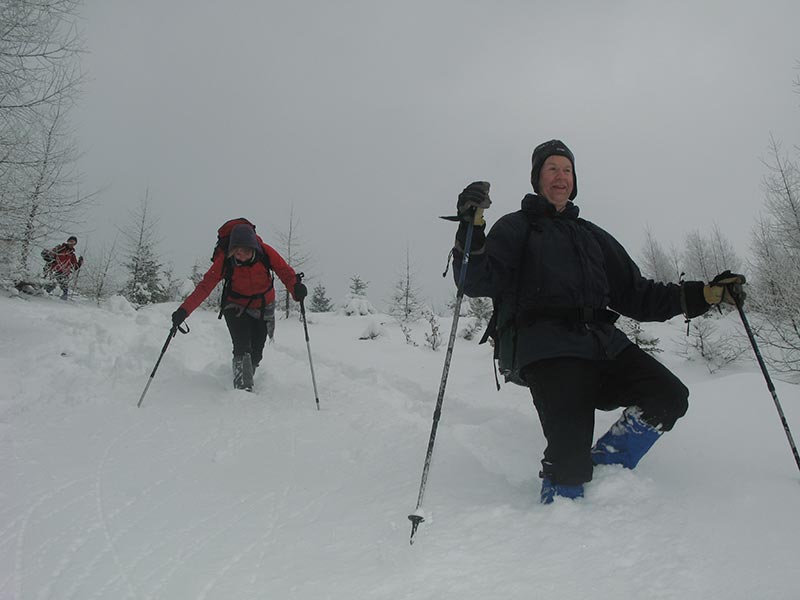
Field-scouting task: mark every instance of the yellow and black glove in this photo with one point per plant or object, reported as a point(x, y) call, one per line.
point(473, 201)
point(725, 288)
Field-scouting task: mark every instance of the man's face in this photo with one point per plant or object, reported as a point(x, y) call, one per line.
point(556, 181)
point(71, 243)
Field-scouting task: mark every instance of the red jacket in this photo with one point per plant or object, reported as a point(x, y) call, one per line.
point(62, 259)
point(247, 280)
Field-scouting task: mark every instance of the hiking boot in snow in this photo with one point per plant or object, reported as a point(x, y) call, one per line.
point(550, 490)
point(626, 442)
point(242, 373)
point(271, 330)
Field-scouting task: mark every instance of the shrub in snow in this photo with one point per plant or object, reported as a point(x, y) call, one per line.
point(185, 288)
point(356, 302)
point(633, 329)
point(319, 300)
point(406, 329)
point(357, 305)
point(434, 338)
point(480, 308)
point(118, 304)
point(10, 290)
point(405, 304)
point(374, 330)
point(716, 346)
point(473, 329)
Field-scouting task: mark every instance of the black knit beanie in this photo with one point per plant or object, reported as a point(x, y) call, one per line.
point(243, 236)
point(540, 154)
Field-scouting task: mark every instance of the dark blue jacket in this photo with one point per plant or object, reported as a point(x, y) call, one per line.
point(566, 262)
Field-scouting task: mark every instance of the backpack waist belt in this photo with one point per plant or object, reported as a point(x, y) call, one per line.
point(571, 314)
point(250, 298)
point(235, 294)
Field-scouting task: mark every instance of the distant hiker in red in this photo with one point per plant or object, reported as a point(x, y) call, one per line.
point(245, 263)
point(60, 262)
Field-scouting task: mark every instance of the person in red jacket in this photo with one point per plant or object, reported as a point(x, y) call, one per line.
point(59, 264)
point(248, 302)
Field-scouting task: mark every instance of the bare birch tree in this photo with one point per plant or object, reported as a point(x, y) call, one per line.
point(291, 247)
point(707, 256)
point(655, 263)
point(100, 280)
point(775, 262)
point(52, 201)
point(39, 82)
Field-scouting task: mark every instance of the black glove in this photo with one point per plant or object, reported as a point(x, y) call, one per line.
point(478, 238)
point(692, 300)
point(179, 316)
point(725, 287)
point(473, 201)
point(300, 291)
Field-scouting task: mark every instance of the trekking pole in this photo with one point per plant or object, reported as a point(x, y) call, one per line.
point(73, 285)
point(308, 343)
point(174, 330)
point(77, 272)
point(417, 516)
point(763, 366)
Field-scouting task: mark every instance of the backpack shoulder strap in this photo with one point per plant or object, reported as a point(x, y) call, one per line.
point(494, 329)
point(227, 272)
point(491, 327)
point(264, 258)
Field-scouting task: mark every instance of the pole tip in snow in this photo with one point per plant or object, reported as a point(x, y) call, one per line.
point(416, 518)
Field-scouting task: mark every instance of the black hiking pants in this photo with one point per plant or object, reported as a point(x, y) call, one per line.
point(248, 334)
point(567, 391)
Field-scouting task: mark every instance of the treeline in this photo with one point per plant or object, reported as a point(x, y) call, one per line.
point(41, 202)
point(772, 267)
point(40, 80)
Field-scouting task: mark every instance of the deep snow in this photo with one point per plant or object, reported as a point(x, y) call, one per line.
point(209, 493)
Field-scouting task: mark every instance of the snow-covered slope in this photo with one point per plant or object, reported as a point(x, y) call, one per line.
point(209, 493)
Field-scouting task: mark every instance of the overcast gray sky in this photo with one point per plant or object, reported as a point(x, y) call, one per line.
point(369, 117)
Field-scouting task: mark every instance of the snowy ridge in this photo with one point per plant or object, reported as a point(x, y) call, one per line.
point(209, 493)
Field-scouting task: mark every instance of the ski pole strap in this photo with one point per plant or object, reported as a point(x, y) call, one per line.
point(571, 314)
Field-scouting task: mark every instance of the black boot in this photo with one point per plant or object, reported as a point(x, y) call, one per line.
point(242, 373)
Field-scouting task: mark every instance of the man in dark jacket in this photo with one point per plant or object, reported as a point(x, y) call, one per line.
point(559, 282)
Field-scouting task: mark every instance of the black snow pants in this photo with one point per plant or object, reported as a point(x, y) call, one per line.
point(248, 334)
point(567, 391)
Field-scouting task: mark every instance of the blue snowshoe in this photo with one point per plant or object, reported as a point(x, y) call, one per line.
point(626, 442)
